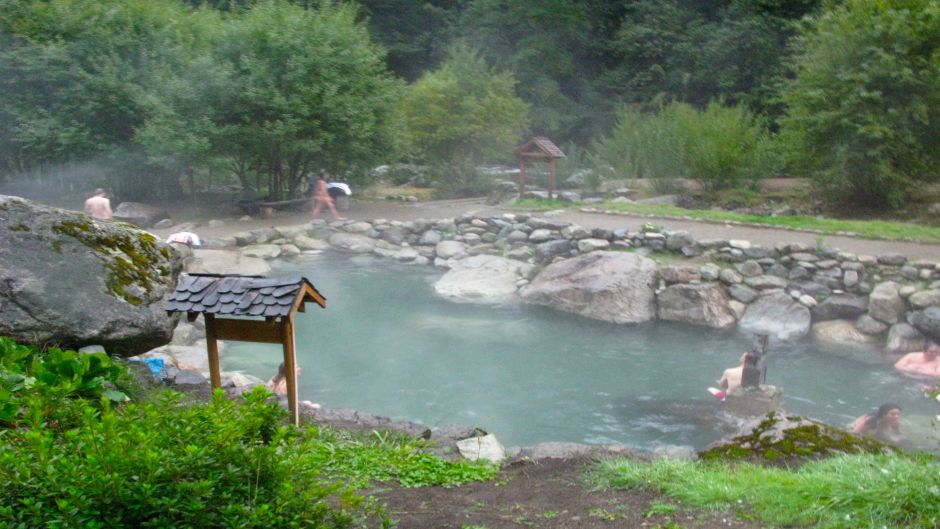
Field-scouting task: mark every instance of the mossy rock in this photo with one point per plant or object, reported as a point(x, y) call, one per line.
point(789, 440)
point(74, 281)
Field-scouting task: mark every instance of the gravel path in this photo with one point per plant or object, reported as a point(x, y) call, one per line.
point(390, 210)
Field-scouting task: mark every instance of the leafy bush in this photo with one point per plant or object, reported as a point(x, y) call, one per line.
point(464, 112)
point(163, 462)
point(163, 465)
point(47, 383)
point(385, 457)
point(459, 179)
point(721, 147)
point(864, 106)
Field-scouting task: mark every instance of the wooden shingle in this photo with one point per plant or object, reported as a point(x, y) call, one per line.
point(241, 295)
point(540, 147)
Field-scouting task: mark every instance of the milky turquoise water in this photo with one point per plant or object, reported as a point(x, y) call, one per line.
point(386, 344)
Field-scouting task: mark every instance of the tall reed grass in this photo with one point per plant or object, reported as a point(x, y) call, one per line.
point(720, 147)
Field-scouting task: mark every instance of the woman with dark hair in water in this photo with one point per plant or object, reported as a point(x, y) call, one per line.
point(884, 424)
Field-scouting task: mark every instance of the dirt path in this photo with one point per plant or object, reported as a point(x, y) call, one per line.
point(371, 210)
point(549, 494)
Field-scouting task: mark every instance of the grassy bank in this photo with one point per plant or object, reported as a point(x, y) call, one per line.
point(859, 491)
point(869, 229)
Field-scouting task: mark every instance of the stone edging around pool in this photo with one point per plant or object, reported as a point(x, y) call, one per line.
point(832, 295)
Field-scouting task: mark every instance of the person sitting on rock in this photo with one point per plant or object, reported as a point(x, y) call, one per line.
point(731, 378)
point(925, 363)
point(884, 424)
point(98, 206)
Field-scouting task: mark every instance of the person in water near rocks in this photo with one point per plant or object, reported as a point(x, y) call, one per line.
point(731, 378)
point(278, 385)
point(925, 363)
point(884, 424)
point(750, 374)
point(98, 206)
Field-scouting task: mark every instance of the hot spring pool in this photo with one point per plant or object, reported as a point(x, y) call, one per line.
point(386, 344)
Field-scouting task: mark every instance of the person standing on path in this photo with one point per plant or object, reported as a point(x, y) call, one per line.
point(98, 206)
point(321, 197)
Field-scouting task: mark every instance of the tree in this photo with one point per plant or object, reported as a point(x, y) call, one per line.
point(416, 34)
point(550, 48)
point(864, 106)
point(463, 111)
point(73, 79)
point(307, 90)
point(700, 51)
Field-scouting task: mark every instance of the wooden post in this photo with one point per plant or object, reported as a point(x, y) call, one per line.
point(215, 376)
point(551, 178)
point(521, 178)
point(290, 367)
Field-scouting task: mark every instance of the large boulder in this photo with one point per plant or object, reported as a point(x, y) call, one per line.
point(609, 286)
point(352, 242)
point(927, 321)
point(840, 306)
point(451, 249)
point(886, 304)
point(904, 338)
point(139, 214)
point(925, 298)
point(72, 281)
point(482, 279)
point(841, 332)
point(777, 315)
point(781, 439)
point(699, 304)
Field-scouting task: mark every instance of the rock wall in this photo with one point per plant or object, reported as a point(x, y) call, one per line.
point(783, 291)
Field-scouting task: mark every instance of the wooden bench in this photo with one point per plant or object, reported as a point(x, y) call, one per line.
point(267, 208)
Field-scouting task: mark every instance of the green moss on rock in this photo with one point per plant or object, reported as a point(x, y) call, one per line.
point(809, 440)
point(131, 258)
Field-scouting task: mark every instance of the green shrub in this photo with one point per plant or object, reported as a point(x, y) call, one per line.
point(721, 147)
point(464, 112)
point(48, 384)
point(383, 457)
point(70, 458)
point(863, 109)
point(161, 464)
point(459, 179)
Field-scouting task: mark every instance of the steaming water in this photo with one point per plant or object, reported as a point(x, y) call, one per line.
point(385, 344)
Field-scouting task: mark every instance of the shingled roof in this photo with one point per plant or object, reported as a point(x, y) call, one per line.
point(241, 295)
point(540, 147)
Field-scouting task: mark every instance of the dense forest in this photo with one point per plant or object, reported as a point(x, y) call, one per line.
point(159, 97)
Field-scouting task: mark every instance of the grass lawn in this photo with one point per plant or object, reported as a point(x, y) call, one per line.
point(869, 229)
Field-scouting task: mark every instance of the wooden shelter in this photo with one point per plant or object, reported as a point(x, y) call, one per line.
point(539, 149)
point(224, 300)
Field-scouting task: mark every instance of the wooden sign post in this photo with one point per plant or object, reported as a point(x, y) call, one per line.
point(538, 149)
point(277, 299)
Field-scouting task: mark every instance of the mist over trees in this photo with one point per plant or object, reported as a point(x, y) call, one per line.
point(163, 96)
